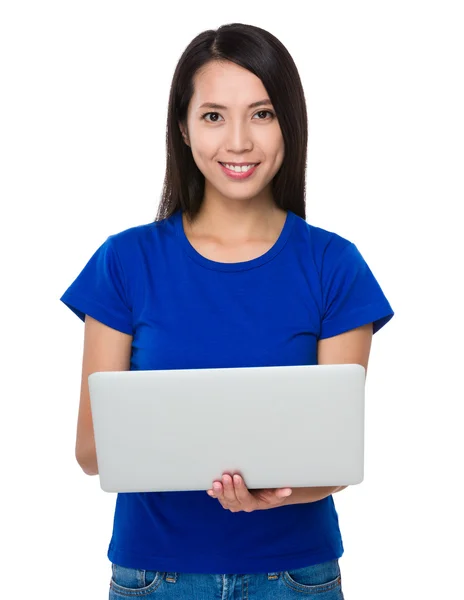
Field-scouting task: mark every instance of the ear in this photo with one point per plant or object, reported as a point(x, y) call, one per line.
point(183, 131)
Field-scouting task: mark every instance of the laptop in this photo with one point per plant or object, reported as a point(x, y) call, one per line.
point(178, 430)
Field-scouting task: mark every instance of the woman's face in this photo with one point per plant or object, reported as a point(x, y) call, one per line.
point(235, 133)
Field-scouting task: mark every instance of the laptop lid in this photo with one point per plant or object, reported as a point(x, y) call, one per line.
point(177, 430)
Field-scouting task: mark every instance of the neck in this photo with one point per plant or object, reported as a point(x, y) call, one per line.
point(238, 220)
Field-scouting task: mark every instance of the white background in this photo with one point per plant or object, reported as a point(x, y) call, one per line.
point(82, 123)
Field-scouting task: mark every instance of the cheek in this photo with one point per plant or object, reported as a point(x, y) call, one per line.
point(274, 142)
point(204, 152)
point(280, 149)
point(277, 155)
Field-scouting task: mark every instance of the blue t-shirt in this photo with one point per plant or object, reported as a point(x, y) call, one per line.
point(186, 311)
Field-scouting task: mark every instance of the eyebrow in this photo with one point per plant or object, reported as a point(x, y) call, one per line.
point(264, 102)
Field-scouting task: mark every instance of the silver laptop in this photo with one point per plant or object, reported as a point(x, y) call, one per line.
point(178, 430)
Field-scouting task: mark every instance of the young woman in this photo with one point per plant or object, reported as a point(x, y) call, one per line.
point(229, 274)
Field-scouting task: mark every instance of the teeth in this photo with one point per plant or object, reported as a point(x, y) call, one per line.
point(238, 169)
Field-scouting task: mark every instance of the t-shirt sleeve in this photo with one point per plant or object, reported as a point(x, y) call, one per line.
point(352, 297)
point(99, 290)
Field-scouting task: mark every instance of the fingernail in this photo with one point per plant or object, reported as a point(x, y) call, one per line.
point(287, 493)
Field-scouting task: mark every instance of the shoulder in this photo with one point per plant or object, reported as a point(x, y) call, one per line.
point(325, 246)
point(139, 237)
point(128, 251)
point(139, 232)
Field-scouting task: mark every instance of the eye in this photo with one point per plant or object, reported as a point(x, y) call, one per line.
point(264, 112)
point(215, 120)
point(210, 113)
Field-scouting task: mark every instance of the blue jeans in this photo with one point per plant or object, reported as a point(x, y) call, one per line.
point(322, 581)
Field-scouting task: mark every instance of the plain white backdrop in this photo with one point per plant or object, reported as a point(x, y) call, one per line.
point(84, 91)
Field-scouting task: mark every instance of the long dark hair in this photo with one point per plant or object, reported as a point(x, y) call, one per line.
point(265, 56)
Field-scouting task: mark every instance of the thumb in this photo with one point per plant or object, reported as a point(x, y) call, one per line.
point(283, 493)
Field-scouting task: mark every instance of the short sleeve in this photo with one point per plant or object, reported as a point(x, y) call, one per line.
point(99, 290)
point(352, 297)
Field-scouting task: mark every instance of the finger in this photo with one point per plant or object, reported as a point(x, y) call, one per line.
point(283, 492)
point(241, 490)
point(229, 489)
point(217, 489)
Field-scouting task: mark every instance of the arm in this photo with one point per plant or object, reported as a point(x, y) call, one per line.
point(302, 495)
point(105, 349)
point(351, 347)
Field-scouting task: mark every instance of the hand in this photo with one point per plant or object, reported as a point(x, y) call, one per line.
point(235, 496)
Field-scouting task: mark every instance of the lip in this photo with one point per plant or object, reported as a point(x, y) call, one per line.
point(234, 164)
point(234, 175)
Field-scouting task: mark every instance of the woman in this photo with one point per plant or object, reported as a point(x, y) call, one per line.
point(230, 274)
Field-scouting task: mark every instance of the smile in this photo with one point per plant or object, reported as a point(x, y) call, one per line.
point(239, 172)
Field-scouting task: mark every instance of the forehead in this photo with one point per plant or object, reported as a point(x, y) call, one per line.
point(226, 83)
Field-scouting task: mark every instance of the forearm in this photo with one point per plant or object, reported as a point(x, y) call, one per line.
point(303, 495)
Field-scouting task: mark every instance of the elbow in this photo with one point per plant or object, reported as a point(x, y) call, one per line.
point(90, 471)
point(88, 463)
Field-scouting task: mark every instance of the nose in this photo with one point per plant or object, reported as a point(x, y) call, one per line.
point(238, 138)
